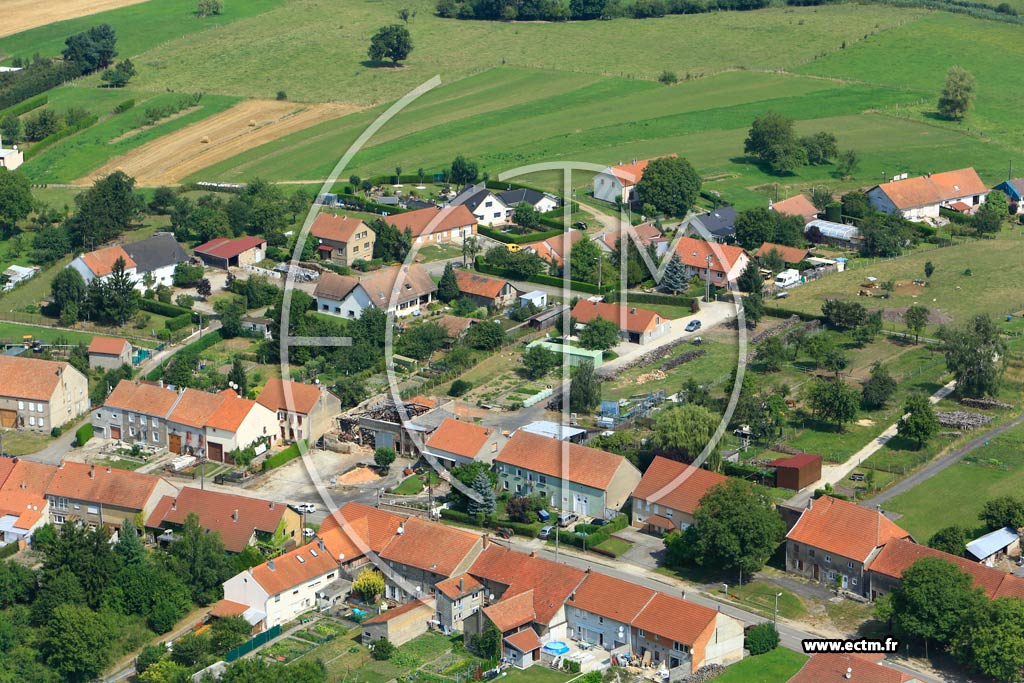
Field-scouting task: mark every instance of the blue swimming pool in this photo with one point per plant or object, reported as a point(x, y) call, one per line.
point(556, 647)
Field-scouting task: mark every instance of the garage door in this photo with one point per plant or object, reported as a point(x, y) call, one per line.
point(115, 432)
point(8, 418)
point(174, 443)
point(216, 452)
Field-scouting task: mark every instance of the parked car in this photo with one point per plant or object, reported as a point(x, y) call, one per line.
point(308, 533)
point(693, 326)
point(305, 508)
point(545, 531)
point(600, 521)
point(567, 519)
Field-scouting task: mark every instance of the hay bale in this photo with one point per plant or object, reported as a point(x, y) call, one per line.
point(252, 123)
point(205, 140)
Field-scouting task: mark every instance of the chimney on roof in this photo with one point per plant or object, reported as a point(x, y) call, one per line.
point(487, 541)
point(234, 515)
point(270, 565)
point(92, 471)
point(320, 544)
point(174, 503)
point(271, 505)
point(533, 553)
point(462, 586)
point(810, 503)
point(108, 469)
point(632, 311)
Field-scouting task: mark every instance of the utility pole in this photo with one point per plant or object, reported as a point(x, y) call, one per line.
point(707, 288)
point(775, 620)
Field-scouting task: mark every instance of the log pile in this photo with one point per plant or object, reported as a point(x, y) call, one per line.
point(984, 403)
point(961, 420)
point(704, 674)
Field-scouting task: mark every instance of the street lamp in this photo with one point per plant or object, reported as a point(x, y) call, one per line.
point(707, 293)
point(725, 588)
point(775, 620)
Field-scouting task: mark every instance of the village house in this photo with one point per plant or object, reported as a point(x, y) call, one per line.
point(135, 412)
point(617, 184)
point(11, 158)
point(23, 504)
point(457, 599)
point(485, 291)
point(16, 274)
point(342, 239)
point(109, 353)
point(1014, 191)
point(398, 625)
point(636, 325)
point(554, 250)
point(435, 226)
point(102, 496)
point(487, 207)
point(797, 205)
point(595, 483)
point(790, 256)
point(715, 226)
point(226, 252)
point(456, 442)
point(149, 262)
point(921, 197)
point(856, 667)
point(990, 548)
point(541, 201)
point(684, 635)
point(241, 521)
point(39, 395)
point(304, 411)
point(348, 297)
point(648, 234)
point(834, 541)
point(186, 421)
point(669, 493)
point(727, 262)
point(423, 553)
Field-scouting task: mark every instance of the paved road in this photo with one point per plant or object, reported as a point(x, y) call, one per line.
point(833, 474)
point(936, 466)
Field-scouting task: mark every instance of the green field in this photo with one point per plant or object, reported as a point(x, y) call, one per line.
point(777, 666)
point(957, 494)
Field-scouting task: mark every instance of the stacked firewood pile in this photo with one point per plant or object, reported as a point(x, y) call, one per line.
point(704, 674)
point(961, 420)
point(984, 403)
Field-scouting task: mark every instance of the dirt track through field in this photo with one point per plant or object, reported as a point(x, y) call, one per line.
point(21, 15)
point(246, 125)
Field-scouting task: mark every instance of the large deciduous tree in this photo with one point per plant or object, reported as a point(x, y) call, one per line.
point(104, 211)
point(670, 184)
point(919, 423)
point(391, 43)
point(584, 388)
point(682, 433)
point(833, 401)
point(916, 318)
point(957, 95)
point(599, 334)
point(15, 199)
point(974, 354)
point(773, 141)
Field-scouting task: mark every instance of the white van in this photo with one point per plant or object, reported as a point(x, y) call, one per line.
point(787, 278)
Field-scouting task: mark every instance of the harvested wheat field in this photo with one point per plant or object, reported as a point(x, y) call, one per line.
point(219, 137)
point(21, 15)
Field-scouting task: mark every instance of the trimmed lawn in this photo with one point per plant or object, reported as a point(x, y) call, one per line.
point(777, 666)
point(615, 545)
point(760, 597)
point(24, 442)
point(957, 494)
point(414, 484)
point(536, 674)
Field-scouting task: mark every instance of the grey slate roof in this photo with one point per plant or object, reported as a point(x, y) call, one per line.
point(512, 197)
point(156, 252)
point(720, 223)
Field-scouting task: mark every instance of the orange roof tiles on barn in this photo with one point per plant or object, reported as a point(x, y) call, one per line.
point(217, 512)
point(788, 254)
point(430, 546)
point(110, 486)
point(110, 346)
point(629, 318)
point(611, 598)
point(933, 189)
point(293, 568)
point(228, 608)
point(141, 397)
point(676, 619)
point(418, 221)
point(587, 466)
point(862, 669)
point(31, 378)
point(472, 283)
point(101, 262)
point(228, 248)
point(798, 205)
point(844, 528)
point(694, 253)
point(686, 484)
point(462, 438)
point(232, 411)
point(279, 394)
point(335, 228)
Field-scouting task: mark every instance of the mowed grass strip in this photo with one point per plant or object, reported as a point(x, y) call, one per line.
point(777, 666)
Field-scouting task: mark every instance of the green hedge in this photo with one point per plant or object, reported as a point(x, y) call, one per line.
point(507, 238)
point(203, 343)
point(542, 279)
point(656, 299)
point(521, 529)
point(285, 456)
point(60, 135)
point(367, 205)
point(83, 434)
point(178, 322)
point(779, 312)
point(23, 107)
point(602, 533)
point(160, 308)
point(124, 106)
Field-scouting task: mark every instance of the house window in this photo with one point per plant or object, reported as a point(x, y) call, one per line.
point(21, 405)
point(828, 558)
point(131, 418)
point(668, 512)
point(58, 519)
point(92, 510)
point(853, 581)
point(540, 477)
point(641, 633)
point(142, 420)
point(59, 503)
point(810, 552)
point(519, 488)
point(849, 565)
point(504, 485)
point(831, 576)
point(131, 431)
point(156, 437)
point(679, 647)
point(32, 422)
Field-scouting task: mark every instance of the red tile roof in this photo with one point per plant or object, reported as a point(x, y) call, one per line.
point(379, 525)
point(141, 397)
point(844, 528)
point(512, 612)
point(335, 228)
point(556, 248)
point(630, 318)
point(28, 507)
point(17, 474)
point(109, 486)
point(101, 262)
point(228, 608)
point(631, 173)
point(31, 378)
point(296, 397)
point(611, 598)
point(216, 512)
point(933, 189)
point(524, 641)
point(431, 546)
point(479, 285)
point(293, 568)
point(231, 413)
point(647, 233)
point(462, 438)
point(694, 252)
point(588, 466)
point(335, 287)
point(459, 586)
point(897, 556)
point(788, 254)
point(195, 408)
point(388, 615)
point(110, 346)
point(795, 461)
point(347, 546)
point(676, 485)
point(551, 583)
point(418, 221)
point(799, 206)
point(675, 619)
point(833, 667)
point(227, 248)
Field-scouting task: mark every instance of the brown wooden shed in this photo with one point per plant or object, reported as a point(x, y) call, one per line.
point(797, 472)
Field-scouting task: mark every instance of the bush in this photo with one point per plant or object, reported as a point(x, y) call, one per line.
point(459, 387)
point(178, 322)
point(124, 106)
point(83, 434)
point(761, 639)
point(56, 431)
point(161, 308)
point(668, 78)
point(383, 650)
